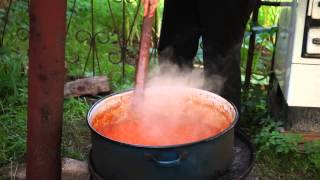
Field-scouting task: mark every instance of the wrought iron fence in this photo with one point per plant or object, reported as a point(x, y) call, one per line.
point(119, 35)
point(102, 43)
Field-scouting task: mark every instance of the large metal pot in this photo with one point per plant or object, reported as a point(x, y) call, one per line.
point(202, 160)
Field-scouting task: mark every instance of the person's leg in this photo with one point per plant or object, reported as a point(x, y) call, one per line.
point(179, 33)
point(223, 25)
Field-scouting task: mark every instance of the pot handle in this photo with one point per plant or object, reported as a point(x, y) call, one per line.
point(166, 163)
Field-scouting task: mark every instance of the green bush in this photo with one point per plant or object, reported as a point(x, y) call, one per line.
point(275, 148)
point(312, 150)
point(270, 139)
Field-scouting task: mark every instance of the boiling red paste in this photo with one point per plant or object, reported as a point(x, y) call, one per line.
point(179, 121)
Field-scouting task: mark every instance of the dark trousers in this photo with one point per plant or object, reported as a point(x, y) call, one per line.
point(221, 24)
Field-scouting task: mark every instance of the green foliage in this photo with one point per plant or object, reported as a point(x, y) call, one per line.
point(269, 16)
point(253, 108)
point(270, 139)
point(12, 132)
point(75, 134)
point(12, 75)
point(12, 106)
point(312, 150)
point(17, 27)
point(118, 83)
point(13, 99)
point(274, 148)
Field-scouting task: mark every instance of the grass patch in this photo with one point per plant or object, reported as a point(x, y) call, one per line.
point(12, 133)
point(76, 134)
point(13, 109)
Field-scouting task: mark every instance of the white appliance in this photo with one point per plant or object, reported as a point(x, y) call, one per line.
point(297, 58)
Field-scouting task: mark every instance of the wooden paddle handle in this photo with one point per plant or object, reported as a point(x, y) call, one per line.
point(143, 60)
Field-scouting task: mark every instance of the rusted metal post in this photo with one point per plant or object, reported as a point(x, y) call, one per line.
point(46, 80)
point(252, 43)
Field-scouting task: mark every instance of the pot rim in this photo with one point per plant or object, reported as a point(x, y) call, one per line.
point(211, 138)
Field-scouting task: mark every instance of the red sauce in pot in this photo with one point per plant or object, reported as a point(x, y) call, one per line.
point(177, 121)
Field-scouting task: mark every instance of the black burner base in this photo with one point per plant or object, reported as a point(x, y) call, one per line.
point(243, 159)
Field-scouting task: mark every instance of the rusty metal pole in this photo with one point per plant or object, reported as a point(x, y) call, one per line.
point(46, 80)
point(251, 50)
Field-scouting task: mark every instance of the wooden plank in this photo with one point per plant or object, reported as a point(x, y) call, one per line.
point(87, 86)
point(306, 136)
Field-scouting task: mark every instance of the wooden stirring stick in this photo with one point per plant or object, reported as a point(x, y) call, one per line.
point(143, 60)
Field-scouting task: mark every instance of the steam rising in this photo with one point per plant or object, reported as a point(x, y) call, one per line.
point(170, 112)
point(168, 106)
point(168, 74)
